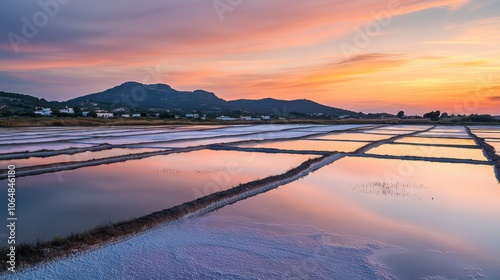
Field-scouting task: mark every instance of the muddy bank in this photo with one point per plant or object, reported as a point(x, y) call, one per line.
point(488, 150)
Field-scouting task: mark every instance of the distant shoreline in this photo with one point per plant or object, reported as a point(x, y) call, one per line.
point(86, 122)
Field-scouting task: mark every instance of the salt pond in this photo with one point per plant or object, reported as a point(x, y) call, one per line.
point(74, 157)
point(361, 217)
point(356, 218)
point(309, 145)
point(57, 204)
point(428, 151)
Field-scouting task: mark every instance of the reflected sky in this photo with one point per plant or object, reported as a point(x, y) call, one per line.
point(428, 151)
point(451, 216)
point(64, 202)
point(74, 157)
point(354, 136)
point(436, 140)
point(309, 145)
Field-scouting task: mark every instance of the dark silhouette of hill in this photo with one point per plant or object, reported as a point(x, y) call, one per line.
point(282, 107)
point(133, 96)
point(161, 96)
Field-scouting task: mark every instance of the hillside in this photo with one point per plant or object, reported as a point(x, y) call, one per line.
point(137, 97)
point(133, 95)
point(273, 106)
point(15, 103)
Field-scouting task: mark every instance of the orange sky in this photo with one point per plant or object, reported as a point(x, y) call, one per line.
point(370, 56)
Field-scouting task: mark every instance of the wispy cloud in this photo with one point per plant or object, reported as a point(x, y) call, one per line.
point(283, 48)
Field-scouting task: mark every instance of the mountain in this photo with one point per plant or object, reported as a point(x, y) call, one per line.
point(273, 106)
point(135, 95)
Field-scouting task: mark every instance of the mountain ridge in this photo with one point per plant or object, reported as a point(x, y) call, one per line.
point(133, 96)
point(150, 96)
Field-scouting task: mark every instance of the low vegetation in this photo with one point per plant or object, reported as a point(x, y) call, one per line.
point(81, 121)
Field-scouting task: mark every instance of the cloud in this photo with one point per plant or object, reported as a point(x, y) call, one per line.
point(283, 48)
point(477, 32)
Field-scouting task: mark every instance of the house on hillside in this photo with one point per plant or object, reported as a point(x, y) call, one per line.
point(85, 113)
point(249, 118)
point(266, 117)
point(67, 111)
point(104, 115)
point(192, 116)
point(225, 118)
point(136, 115)
point(43, 111)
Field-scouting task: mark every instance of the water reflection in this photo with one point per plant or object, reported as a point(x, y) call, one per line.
point(73, 157)
point(457, 211)
point(354, 136)
point(428, 151)
point(309, 145)
point(61, 203)
point(437, 140)
point(395, 189)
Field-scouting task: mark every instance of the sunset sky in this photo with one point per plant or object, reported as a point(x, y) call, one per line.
point(370, 56)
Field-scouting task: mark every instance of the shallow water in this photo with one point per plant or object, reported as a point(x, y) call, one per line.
point(429, 213)
point(309, 145)
point(428, 151)
point(491, 135)
point(354, 136)
point(444, 134)
point(43, 146)
point(74, 157)
point(357, 218)
point(436, 140)
point(64, 202)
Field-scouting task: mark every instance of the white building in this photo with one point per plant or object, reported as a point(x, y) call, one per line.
point(266, 117)
point(225, 118)
point(67, 111)
point(43, 111)
point(194, 116)
point(136, 115)
point(104, 115)
point(85, 113)
point(249, 118)
point(126, 116)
